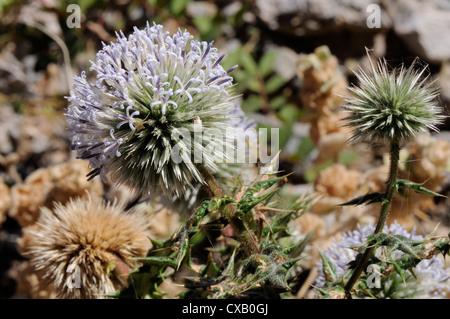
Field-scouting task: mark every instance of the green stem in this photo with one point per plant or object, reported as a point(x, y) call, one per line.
point(384, 212)
point(245, 235)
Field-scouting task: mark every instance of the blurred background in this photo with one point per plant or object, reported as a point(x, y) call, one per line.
point(296, 59)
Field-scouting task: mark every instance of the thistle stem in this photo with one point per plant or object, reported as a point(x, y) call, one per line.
point(245, 235)
point(384, 212)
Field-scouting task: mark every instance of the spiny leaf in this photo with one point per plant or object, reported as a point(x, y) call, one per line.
point(417, 187)
point(444, 247)
point(407, 262)
point(273, 230)
point(394, 242)
point(199, 282)
point(156, 244)
point(300, 247)
point(159, 261)
point(184, 247)
point(248, 200)
point(323, 292)
point(369, 197)
point(217, 203)
point(211, 270)
point(328, 269)
point(229, 271)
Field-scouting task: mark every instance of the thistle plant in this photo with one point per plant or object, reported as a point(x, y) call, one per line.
point(159, 98)
point(158, 104)
point(229, 271)
point(152, 94)
point(389, 107)
point(390, 276)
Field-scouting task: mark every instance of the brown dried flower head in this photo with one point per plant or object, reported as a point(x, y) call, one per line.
point(86, 248)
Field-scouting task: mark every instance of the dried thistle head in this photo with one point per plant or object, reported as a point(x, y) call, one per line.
point(390, 105)
point(151, 93)
point(86, 248)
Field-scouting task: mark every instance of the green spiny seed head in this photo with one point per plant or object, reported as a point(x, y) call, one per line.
point(392, 105)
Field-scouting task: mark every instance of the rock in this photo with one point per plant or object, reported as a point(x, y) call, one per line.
point(201, 9)
point(424, 25)
point(285, 62)
point(444, 80)
point(309, 17)
point(9, 132)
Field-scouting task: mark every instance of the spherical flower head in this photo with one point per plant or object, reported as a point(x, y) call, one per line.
point(153, 93)
point(86, 248)
point(433, 278)
point(392, 105)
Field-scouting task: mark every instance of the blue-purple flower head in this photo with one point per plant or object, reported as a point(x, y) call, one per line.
point(152, 88)
point(433, 277)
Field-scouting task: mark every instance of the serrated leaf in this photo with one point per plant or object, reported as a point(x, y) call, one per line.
point(252, 104)
point(248, 63)
point(289, 113)
point(266, 62)
point(274, 83)
point(254, 84)
point(277, 102)
point(203, 23)
point(178, 6)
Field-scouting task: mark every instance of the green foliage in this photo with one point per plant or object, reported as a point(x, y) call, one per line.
point(417, 187)
point(394, 270)
point(260, 87)
point(227, 271)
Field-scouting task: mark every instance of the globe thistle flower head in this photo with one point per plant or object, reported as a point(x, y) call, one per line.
point(392, 105)
point(433, 278)
point(153, 91)
point(85, 249)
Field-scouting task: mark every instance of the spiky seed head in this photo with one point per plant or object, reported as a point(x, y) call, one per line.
point(392, 105)
point(86, 248)
point(150, 89)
